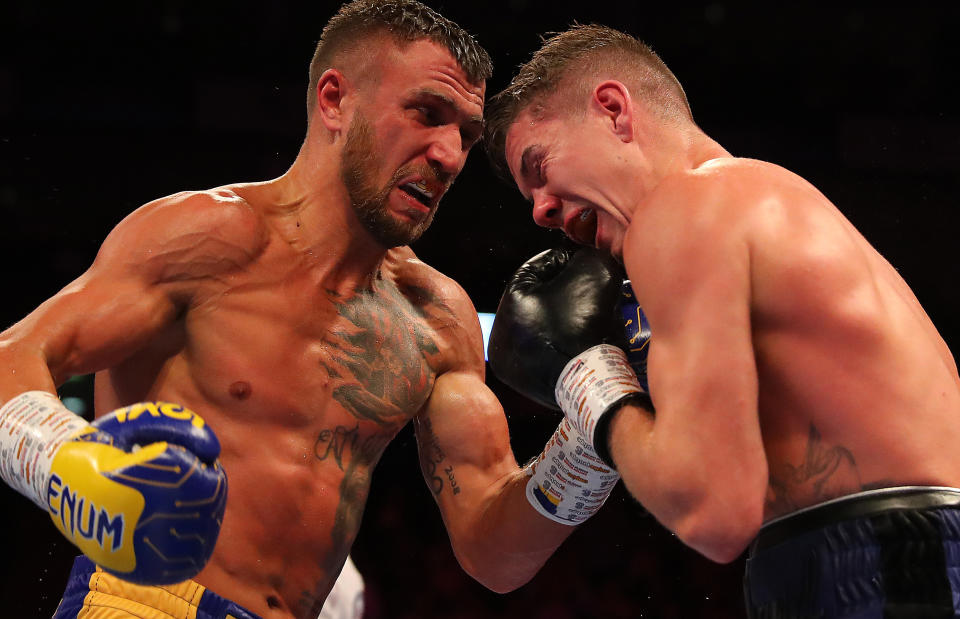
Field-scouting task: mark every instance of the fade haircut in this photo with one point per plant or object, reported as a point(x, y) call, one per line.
point(405, 21)
point(560, 76)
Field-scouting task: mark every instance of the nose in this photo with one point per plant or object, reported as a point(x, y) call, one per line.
point(547, 210)
point(446, 152)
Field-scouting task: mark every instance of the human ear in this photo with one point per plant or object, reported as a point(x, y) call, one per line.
point(612, 100)
point(331, 89)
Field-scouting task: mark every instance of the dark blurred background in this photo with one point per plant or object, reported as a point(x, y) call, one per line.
point(106, 105)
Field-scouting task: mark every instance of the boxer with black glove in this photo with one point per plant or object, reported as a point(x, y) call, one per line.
point(559, 338)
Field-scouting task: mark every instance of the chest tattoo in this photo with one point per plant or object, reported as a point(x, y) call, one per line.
point(383, 354)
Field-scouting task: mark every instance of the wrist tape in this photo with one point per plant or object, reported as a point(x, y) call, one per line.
point(568, 482)
point(33, 426)
point(591, 384)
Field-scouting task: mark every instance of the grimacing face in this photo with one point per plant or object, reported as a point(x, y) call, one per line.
point(409, 138)
point(360, 162)
point(578, 172)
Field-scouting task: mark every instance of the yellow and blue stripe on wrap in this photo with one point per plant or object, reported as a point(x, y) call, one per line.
point(141, 492)
point(638, 333)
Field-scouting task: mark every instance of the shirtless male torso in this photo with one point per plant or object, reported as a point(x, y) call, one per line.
point(800, 399)
point(292, 317)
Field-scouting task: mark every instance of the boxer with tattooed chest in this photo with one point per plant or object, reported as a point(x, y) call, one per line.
point(291, 316)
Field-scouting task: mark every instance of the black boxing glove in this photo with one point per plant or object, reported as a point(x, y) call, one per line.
point(559, 338)
point(558, 304)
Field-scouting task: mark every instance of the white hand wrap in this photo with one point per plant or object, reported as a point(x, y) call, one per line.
point(33, 426)
point(591, 383)
point(569, 482)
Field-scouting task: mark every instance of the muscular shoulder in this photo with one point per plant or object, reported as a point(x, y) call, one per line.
point(418, 279)
point(188, 235)
point(727, 198)
point(727, 186)
point(444, 300)
point(748, 224)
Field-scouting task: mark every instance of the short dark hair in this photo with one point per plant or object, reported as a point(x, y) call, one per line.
point(597, 52)
point(405, 21)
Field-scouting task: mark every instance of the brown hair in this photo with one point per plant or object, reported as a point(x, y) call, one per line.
point(405, 21)
point(561, 74)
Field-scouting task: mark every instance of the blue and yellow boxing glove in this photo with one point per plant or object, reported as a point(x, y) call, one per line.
point(638, 333)
point(140, 491)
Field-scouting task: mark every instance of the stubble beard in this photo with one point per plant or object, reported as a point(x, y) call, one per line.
point(359, 162)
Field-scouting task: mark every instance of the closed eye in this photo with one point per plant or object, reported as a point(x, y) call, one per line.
point(427, 115)
point(540, 172)
point(531, 166)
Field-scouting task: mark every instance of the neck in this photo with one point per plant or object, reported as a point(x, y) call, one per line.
point(703, 150)
point(664, 153)
point(677, 151)
point(311, 210)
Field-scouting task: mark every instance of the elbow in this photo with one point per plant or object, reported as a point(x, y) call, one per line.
point(496, 575)
point(721, 532)
point(501, 585)
point(498, 571)
point(724, 550)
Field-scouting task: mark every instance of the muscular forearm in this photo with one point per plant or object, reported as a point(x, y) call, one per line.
point(510, 541)
point(533, 510)
point(504, 521)
point(711, 512)
point(22, 369)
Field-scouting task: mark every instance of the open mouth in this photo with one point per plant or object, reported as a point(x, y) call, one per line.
point(582, 227)
point(420, 192)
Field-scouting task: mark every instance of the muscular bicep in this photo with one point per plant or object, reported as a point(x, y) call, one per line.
point(698, 462)
point(146, 273)
point(695, 290)
point(464, 446)
point(702, 357)
point(96, 321)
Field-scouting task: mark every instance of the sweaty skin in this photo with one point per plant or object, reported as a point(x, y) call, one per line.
point(855, 389)
point(305, 380)
point(272, 312)
point(789, 364)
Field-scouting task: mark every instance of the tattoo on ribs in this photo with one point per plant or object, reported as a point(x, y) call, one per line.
point(335, 442)
point(353, 491)
point(825, 473)
point(354, 488)
point(385, 355)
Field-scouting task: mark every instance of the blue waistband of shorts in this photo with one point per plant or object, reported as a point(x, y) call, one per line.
point(880, 554)
point(850, 507)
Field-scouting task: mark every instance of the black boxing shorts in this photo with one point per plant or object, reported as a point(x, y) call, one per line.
point(882, 554)
point(91, 591)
